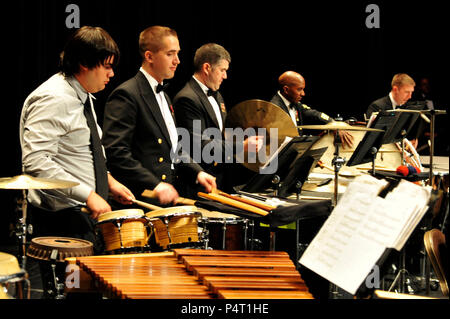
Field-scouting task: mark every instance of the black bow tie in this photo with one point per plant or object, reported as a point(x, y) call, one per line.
point(212, 93)
point(161, 87)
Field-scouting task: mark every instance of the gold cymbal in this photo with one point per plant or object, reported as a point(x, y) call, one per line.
point(338, 125)
point(30, 182)
point(260, 114)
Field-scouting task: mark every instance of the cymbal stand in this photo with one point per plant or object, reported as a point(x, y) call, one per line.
point(337, 162)
point(276, 181)
point(22, 229)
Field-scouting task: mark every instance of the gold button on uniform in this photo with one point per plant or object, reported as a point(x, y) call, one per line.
point(163, 177)
point(161, 159)
point(159, 141)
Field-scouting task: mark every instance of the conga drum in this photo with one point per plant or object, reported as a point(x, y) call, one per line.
point(124, 230)
point(11, 273)
point(225, 231)
point(51, 253)
point(176, 227)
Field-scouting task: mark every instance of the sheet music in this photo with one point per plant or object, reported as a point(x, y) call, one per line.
point(286, 141)
point(361, 227)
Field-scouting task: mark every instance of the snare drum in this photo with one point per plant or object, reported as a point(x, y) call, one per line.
point(225, 231)
point(176, 226)
point(10, 272)
point(124, 230)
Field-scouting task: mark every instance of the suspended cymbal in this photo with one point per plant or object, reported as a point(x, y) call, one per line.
point(30, 182)
point(260, 114)
point(338, 125)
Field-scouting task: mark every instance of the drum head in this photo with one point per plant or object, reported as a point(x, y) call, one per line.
point(120, 214)
point(177, 210)
point(219, 215)
point(8, 265)
point(42, 247)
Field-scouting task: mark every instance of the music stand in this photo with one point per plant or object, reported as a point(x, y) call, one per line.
point(396, 125)
point(367, 149)
point(286, 158)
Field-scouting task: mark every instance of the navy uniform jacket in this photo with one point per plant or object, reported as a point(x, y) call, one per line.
point(137, 142)
point(305, 114)
point(191, 103)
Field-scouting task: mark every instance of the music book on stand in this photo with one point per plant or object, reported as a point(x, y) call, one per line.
point(362, 226)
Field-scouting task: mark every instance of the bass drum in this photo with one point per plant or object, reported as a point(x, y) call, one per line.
point(388, 157)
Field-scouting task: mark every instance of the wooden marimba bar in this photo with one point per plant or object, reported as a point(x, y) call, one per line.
point(196, 274)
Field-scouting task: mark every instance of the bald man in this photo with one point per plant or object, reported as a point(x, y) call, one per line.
point(290, 93)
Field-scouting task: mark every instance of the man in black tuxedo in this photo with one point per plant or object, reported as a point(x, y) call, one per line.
point(201, 102)
point(140, 135)
point(288, 98)
point(402, 88)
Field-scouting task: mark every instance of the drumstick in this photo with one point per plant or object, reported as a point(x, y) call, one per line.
point(135, 201)
point(249, 201)
point(146, 205)
point(234, 203)
point(179, 201)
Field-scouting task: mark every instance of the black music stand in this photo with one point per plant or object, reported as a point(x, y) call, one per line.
point(292, 157)
point(396, 126)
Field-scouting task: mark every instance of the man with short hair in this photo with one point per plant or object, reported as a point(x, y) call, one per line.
point(402, 88)
point(200, 100)
point(60, 139)
point(140, 135)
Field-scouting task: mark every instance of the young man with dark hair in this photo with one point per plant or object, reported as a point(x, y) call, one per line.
point(60, 139)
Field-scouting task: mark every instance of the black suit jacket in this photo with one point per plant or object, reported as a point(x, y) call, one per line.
point(382, 104)
point(306, 115)
point(137, 141)
point(191, 104)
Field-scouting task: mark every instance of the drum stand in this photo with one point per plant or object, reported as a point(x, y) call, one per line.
point(337, 162)
point(21, 231)
point(57, 290)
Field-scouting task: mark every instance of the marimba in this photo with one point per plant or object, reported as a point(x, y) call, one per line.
point(196, 274)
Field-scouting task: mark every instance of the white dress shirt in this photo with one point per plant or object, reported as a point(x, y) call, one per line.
point(165, 110)
point(213, 102)
point(292, 111)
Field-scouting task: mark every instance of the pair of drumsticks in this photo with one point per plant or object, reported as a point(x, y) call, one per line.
point(218, 196)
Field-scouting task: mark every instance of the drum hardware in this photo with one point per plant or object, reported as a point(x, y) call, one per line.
point(26, 182)
point(58, 288)
point(276, 182)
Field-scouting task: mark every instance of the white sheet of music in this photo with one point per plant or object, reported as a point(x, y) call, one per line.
point(361, 227)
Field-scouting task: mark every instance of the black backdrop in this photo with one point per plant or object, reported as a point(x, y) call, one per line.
point(346, 65)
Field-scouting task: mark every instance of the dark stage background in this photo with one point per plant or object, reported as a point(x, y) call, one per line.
point(346, 65)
